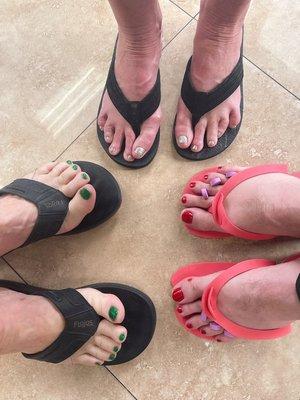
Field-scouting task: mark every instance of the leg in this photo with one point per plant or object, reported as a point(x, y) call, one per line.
point(136, 66)
point(216, 51)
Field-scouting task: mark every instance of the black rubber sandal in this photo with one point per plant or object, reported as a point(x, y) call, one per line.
point(135, 112)
point(199, 103)
point(53, 205)
point(81, 320)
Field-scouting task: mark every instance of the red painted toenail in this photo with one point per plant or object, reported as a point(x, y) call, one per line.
point(177, 295)
point(189, 326)
point(205, 177)
point(220, 167)
point(189, 280)
point(183, 199)
point(187, 217)
point(203, 332)
point(218, 340)
point(192, 184)
point(179, 309)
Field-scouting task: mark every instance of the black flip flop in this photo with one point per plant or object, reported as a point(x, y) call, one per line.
point(81, 320)
point(53, 205)
point(199, 103)
point(135, 112)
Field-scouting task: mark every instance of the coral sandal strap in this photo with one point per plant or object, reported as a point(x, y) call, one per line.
point(218, 208)
point(210, 307)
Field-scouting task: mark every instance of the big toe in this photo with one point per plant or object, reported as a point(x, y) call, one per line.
point(198, 219)
point(183, 126)
point(82, 204)
point(145, 140)
point(189, 290)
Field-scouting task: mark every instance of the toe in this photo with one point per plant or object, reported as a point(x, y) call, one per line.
point(85, 359)
point(69, 174)
point(190, 200)
point(117, 142)
point(60, 168)
point(189, 309)
point(183, 126)
point(223, 125)
point(99, 353)
point(212, 133)
point(47, 168)
point(82, 204)
point(195, 322)
point(189, 290)
point(234, 118)
point(199, 219)
point(198, 141)
point(212, 329)
point(117, 333)
point(129, 140)
point(216, 180)
point(102, 120)
point(145, 140)
point(107, 344)
point(80, 180)
point(198, 186)
point(109, 130)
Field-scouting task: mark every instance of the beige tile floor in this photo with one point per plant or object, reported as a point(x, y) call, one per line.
point(53, 62)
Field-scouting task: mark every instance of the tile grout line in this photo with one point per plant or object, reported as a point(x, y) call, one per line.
point(117, 379)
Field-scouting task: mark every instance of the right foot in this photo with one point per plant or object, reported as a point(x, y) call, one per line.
point(136, 69)
point(18, 216)
point(37, 323)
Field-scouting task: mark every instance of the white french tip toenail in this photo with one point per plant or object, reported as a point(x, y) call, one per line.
point(112, 149)
point(139, 151)
point(211, 143)
point(182, 139)
point(101, 127)
point(194, 148)
point(106, 138)
point(219, 134)
point(129, 157)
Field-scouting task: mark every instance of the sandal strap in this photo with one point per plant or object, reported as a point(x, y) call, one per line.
point(51, 203)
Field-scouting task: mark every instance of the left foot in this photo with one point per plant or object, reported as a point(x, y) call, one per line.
point(215, 56)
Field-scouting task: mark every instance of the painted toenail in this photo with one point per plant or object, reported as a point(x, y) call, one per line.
point(203, 332)
point(220, 167)
point(112, 357)
point(215, 182)
point(183, 199)
point(192, 185)
point(203, 316)
point(204, 193)
point(85, 194)
point(182, 139)
point(69, 162)
point(116, 349)
point(187, 217)
point(129, 157)
point(85, 176)
point(179, 309)
point(189, 326)
point(229, 174)
point(190, 279)
point(177, 295)
point(211, 143)
point(194, 148)
point(122, 337)
point(139, 151)
point(112, 149)
point(75, 167)
point(219, 340)
point(214, 326)
point(205, 177)
point(113, 313)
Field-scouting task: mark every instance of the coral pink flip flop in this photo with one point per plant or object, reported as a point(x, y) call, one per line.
point(217, 208)
point(210, 296)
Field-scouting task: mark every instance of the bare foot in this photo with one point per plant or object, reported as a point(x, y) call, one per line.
point(261, 204)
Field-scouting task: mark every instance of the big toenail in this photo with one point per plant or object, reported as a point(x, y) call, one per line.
point(85, 194)
point(214, 326)
point(211, 143)
point(229, 174)
point(192, 185)
point(122, 337)
point(194, 148)
point(85, 176)
point(112, 357)
point(179, 310)
point(187, 217)
point(177, 295)
point(116, 349)
point(183, 199)
point(215, 182)
point(69, 162)
point(203, 316)
point(75, 167)
point(204, 193)
point(182, 139)
point(113, 313)
point(139, 151)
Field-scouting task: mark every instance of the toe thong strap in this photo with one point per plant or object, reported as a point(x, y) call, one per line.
point(199, 103)
point(210, 304)
point(81, 323)
point(52, 206)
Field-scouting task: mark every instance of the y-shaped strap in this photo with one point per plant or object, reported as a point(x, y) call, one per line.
point(52, 206)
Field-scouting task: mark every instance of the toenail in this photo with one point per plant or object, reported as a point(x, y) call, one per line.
point(220, 167)
point(69, 162)
point(203, 316)
point(187, 217)
point(113, 313)
point(192, 185)
point(214, 326)
point(219, 340)
point(106, 138)
point(211, 143)
point(215, 182)
point(112, 357)
point(116, 349)
point(205, 177)
point(139, 151)
point(190, 279)
point(194, 148)
point(85, 194)
point(189, 325)
point(129, 157)
point(182, 139)
point(177, 295)
point(183, 199)
point(112, 149)
point(203, 332)
point(204, 193)
point(122, 337)
point(179, 309)
point(229, 174)
point(85, 176)
point(220, 134)
point(75, 167)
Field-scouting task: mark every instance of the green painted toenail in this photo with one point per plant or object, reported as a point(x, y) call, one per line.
point(85, 176)
point(85, 194)
point(69, 162)
point(122, 337)
point(113, 313)
point(112, 357)
point(75, 167)
point(116, 349)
